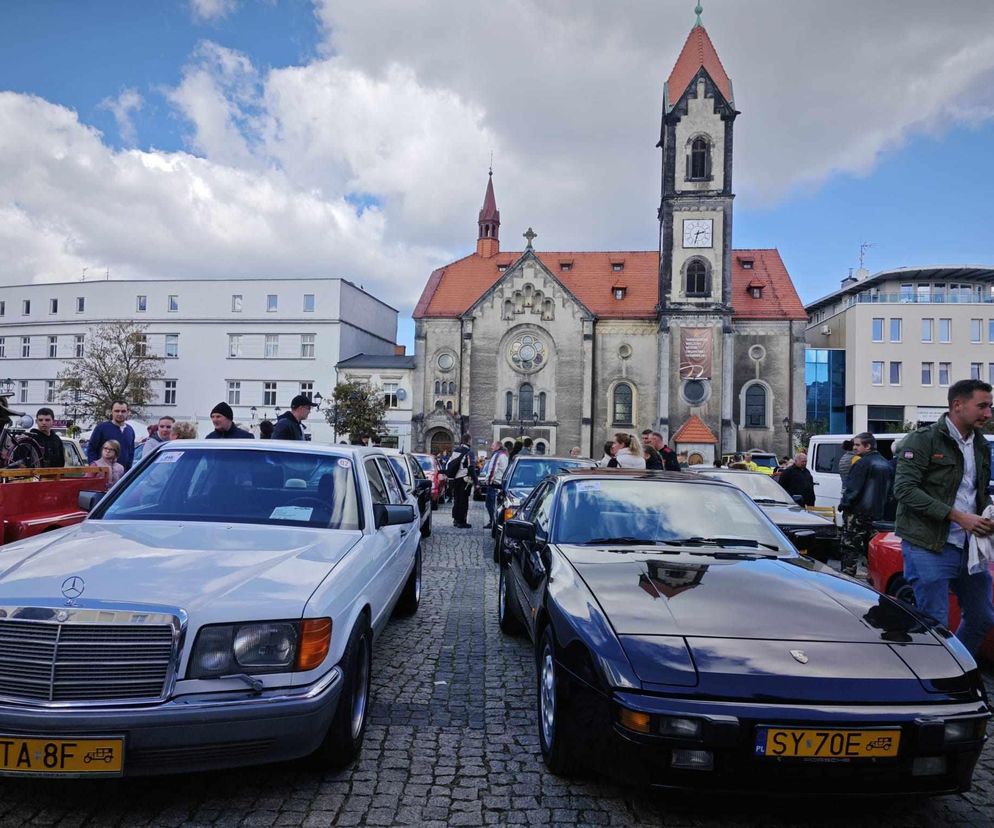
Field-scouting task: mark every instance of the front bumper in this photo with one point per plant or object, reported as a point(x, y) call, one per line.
point(195, 733)
point(729, 735)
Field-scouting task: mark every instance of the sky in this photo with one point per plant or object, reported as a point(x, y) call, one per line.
point(352, 138)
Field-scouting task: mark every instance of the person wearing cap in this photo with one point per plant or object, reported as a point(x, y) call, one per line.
point(224, 425)
point(289, 423)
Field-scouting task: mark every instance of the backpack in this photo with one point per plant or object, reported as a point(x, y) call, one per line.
point(455, 463)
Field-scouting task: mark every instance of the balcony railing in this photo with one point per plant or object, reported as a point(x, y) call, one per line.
point(920, 299)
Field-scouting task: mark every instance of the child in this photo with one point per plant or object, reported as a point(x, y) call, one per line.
point(109, 453)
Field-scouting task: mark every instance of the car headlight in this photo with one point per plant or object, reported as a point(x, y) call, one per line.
point(259, 647)
point(964, 730)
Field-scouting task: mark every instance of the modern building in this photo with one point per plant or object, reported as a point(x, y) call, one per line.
point(699, 341)
point(252, 343)
point(393, 374)
point(892, 343)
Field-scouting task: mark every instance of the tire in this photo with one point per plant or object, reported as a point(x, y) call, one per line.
point(507, 617)
point(901, 589)
point(555, 725)
point(24, 455)
point(410, 598)
point(497, 541)
point(426, 527)
point(343, 741)
point(434, 505)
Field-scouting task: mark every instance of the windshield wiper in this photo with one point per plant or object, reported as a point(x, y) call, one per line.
point(769, 501)
point(722, 542)
point(626, 540)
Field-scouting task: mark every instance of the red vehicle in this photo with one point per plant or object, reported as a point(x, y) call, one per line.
point(436, 474)
point(886, 574)
point(30, 506)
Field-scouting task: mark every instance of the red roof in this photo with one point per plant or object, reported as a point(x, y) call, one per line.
point(453, 289)
point(698, 51)
point(694, 431)
point(489, 210)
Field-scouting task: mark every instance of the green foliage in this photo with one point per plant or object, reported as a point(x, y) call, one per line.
point(116, 365)
point(804, 432)
point(357, 410)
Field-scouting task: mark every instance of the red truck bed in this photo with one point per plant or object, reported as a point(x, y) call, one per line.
point(32, 506)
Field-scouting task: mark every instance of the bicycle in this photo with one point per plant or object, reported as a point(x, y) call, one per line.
point(18, 449)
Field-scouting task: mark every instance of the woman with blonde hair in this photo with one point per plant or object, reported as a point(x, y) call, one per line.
point(628, 451)
point(185, 431)
point(109, 452)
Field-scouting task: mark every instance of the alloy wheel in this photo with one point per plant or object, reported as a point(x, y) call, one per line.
point(360, 695)
point(547, 697)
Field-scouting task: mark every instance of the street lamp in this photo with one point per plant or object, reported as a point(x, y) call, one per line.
point(317, 399)
point(252, 409)
point(786, 424)
point(521, 422)
point(7, 385)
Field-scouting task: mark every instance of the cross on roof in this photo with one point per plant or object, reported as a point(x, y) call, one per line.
point(530, 234)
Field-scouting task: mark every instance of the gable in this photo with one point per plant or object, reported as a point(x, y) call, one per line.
point(698, 53)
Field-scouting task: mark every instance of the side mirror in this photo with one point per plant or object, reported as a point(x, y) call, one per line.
point(520, 530)
point(87, 500)
point(798, 499)
point(392, 514)
point(422, 486)
point(802, 538)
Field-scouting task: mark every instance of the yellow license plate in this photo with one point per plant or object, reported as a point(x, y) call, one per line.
point(51, 757)
point(827, 744)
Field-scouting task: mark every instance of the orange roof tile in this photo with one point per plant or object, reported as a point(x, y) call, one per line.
point(453, 289)
point(694, 431)
point(698, 51)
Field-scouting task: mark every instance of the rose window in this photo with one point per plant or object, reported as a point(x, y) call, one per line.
point(527, 353)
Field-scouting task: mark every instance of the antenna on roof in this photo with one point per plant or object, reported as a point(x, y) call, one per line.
point(491, 162)
point(862, 252)
point(83, 277)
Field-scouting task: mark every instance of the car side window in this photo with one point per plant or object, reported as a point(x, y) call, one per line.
point(417, 472)
point(377, 488)
point(541, 511)
point(394, 489)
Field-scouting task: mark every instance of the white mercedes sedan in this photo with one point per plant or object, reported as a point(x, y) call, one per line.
point(217, 608)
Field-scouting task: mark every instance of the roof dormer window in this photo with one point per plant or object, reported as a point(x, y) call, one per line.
point(501, 268)
point(619, 292)
point(747, 264)
point(566, 267)
point(755, 288)
point(617, 267)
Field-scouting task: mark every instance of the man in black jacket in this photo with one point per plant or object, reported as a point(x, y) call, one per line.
point(289, 425)
point(864, 499)
point(53, 452)
point(224, 425)
point(797, 480)
point(462, 481)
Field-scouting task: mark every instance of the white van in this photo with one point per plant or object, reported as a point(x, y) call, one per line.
point(824, 452)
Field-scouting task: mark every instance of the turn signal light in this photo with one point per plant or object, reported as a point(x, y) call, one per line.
point(634, 720)
point(315, 640)
point(508, 514)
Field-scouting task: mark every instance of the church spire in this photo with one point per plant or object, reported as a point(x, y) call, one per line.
point(488, 240)
point(698, 53)
point(699, 11)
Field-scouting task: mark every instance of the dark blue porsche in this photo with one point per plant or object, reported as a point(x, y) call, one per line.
point(681, 641)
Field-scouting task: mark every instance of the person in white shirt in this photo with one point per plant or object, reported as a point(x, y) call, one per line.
point(493, 473)
point(628, 451)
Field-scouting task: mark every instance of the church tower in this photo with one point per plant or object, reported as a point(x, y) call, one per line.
point(695, 241)
point(488, 240)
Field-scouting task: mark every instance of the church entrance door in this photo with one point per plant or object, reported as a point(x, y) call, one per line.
point(440, 442)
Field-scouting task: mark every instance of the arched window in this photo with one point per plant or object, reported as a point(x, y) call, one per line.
point(452, 388)
point(509, 406)
point(697, 279)
point(755, 408)
point(621, 405)
point(541, 406)
point(448, 405)
point(439, 404)
point(526, 401)
point(699, 163)
point(438, 387)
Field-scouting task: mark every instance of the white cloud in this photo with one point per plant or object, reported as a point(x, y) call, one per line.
point(206, 11)
point(123, 108)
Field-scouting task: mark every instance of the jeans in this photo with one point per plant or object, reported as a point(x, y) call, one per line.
point(491, 501)
point(933, 574)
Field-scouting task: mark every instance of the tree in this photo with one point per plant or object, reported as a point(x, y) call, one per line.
point(357, 410)
point(115, 365)
point(803, 432)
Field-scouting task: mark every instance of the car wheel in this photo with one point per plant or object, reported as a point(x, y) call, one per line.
point(555, 726)
point(497, 542)
point(343, 740)
point(426, 527)
point(902, 590)
point(507, 616)
point(434, 504)
point(410, 598)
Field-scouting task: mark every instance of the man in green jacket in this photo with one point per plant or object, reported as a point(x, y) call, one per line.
point(943, 471)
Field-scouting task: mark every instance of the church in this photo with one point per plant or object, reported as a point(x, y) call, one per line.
point(696, 340)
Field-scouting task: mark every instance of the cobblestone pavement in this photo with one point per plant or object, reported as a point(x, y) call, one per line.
point(451, 741)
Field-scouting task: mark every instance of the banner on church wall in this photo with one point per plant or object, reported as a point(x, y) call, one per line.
point(695, 353)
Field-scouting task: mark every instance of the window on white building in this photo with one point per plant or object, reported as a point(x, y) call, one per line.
point(234, 393)
point(3, 347)
point(272, 345)
point(307, 346)
point(49, 391)
point(976, 329)
point(307, 389)
point(25, 347)
point(53, 305)
point(23, 392)
point(234, 345)
point(80, 304)
point(895, 373)
point(390, 394)
point(927, 373)
point(169, 393)
point(80, 345)
point(269, 393)
point(271, 301)
point(172, 304)
point(945, 369)
point(928, 330)
point(26, 307)
point(878, 330)
point(945, 330)
point(53, 347)
point(990, 329)
point(990, 372)
point(976, 369)
point(236, 303)
point(172, 346)
point(308, 303)
point(141, 303)
point(895, 330)
point(141, 345)
point(877, 373)
point(3, 309)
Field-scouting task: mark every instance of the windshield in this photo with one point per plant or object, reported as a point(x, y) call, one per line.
point(757, 485)
point(659, 510)
point(527, 473)
point(241, 486)
point(425, 462)
point(767, 460)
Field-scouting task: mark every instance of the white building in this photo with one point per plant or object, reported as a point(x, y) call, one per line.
point(393, 374)
point(252, 343)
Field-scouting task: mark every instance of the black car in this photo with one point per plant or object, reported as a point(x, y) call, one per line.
point(416, 482)
point(681, 641)
point(520, 477)
point(814, 534)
